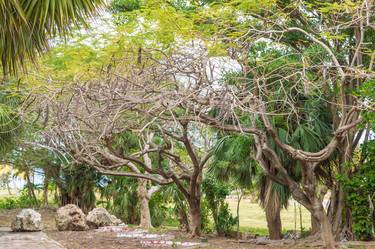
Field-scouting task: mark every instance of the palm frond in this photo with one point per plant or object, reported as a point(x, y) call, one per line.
point(26, 26)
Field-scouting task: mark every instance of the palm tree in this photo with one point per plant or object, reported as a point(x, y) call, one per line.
point(273, 197)
point(171, 196)
point(233, 163)
point(26, 26)
point(121, 197)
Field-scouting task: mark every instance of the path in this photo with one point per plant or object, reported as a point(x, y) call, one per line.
point(32, 240)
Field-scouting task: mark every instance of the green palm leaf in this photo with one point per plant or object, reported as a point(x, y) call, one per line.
point(26, 26)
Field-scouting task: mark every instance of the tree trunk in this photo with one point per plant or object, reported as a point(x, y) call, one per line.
point(45, 192)
point(8, 187)
point(30, 188)
point(145, 221)
point(337, 223)
point(238, 214)
point(326, 232)
point(327, 236)
point(315, 206)
point(274, 223)
point(183, 218)
point(315, 226)
point(195, 217)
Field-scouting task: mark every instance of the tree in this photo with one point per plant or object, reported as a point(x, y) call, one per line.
point(233, 161)
point(176, 103)
point(119, 195)
point(298, 34)
point(74, 183)
point(328, 53)
point(232, 164)
point(173, 197)
point(169, 158)
point(168, 152)
point(359, 183)
point(5, 177)
point(26, 27)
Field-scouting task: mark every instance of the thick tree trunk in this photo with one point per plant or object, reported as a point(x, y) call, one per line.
point(338, 219)
point(145, 221)
point(195, 217)
point(326, 229)
point(274, 223)
point(315, 226)
point(315, 206)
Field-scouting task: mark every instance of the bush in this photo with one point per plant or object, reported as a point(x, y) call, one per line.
point(215, 194)
point(158, 210)
point(22, 201)
point(360, 190)
point(206, 220)
point(225, 220)
point(8, 203)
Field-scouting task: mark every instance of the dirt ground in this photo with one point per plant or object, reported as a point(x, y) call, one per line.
point(99, 240)
point(106, 240)
point(48, 217)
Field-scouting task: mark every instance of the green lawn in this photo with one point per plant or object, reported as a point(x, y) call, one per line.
point(252, 216)
point(5, 193)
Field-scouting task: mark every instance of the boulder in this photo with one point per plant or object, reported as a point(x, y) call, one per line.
point(100, 217)
point(71, 218)
point(27, 220)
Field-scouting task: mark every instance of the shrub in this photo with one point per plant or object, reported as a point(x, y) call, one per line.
point(8, 203)
point(360, 191)
point(215, 194)
point(22, 201)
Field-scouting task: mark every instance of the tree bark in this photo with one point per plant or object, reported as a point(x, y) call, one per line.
point(315, 226)
point(325, 228)
point(183, 218)
point(274, 223)
point(312, 203)
point(45, 192)
point(195, 217)
point(8, 187)
point(238, 213)
point(30, 187)
point(145, 221)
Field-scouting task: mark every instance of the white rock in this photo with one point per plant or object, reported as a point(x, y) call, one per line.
point(70, 217)
point(27, 220)
point(100, 217)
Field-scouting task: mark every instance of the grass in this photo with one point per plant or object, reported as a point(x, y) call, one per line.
point(4, 193)
point(253, 218)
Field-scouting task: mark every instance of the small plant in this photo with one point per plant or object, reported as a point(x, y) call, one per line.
point(215, 193)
